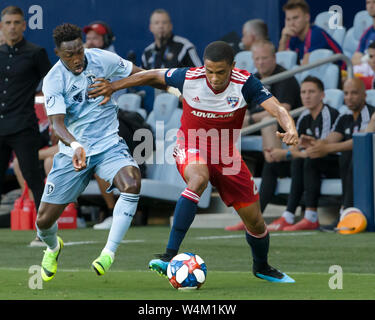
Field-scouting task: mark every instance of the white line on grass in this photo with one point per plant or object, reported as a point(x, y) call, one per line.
point(75, 243)
point(212, 271)
point(241, 235)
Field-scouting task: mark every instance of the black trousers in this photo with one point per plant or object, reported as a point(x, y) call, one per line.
point(314, 171)
point(270, 172)
point(346, 174)
point(26, 145)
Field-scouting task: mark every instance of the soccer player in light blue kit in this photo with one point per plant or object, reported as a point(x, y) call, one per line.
point(88, 144)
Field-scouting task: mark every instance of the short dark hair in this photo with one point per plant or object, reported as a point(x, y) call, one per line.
point(372, 45)
point(219, 51)
point(295, 4)
point(12, 10)
point(66, 32)
point(319, 83)
point(160, 11)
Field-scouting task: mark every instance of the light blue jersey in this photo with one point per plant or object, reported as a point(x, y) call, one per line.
point(95, 127)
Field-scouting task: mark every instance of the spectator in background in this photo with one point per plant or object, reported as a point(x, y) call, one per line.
point(168, 50)
point(300, 36)
point(316, 121)
point(286, 91)
point(99, 35)
point(22, 67)
point(252, 31)
point(340, 140)
point(368, 36)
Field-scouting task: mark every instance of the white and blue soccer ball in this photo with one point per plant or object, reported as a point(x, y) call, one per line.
point(187, 271)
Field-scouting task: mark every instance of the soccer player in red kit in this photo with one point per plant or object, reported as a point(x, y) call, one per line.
point(215, 98)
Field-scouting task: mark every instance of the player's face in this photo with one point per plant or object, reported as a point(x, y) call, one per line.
point(13, 26)
point(264, 60)
point(94, 40)
point(72, 54)
point(296, 20)
point(354, 95)
point(218, 73)
point(311, 95)
point(370, 7)
point(371, 60)
point(160, 26)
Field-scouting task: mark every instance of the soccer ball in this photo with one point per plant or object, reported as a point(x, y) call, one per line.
point(187, 271)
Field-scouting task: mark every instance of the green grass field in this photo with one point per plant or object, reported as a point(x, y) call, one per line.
point(306, 256)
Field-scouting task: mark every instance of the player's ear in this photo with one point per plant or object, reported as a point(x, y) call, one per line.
point(57, 52)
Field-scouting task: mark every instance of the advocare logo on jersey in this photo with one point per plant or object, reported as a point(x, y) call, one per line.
point(211, 115)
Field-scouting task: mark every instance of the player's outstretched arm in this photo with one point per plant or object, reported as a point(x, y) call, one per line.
point(102, 87)
point(62, 133)
point(273, 106)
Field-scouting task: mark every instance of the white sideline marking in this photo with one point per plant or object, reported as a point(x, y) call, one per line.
point(212, 271)
point(75, 243)
point(271, 234)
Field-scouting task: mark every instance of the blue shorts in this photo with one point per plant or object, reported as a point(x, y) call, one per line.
point(64, 184)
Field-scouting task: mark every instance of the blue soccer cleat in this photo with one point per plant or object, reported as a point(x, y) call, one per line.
point(273, 275)
point(160, 265)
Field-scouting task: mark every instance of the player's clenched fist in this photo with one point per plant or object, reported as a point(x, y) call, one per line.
point(290, 137)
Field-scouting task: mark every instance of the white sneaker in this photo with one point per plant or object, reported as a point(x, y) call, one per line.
point(105, 225)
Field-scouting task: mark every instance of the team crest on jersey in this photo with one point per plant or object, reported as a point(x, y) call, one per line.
point(233, 101)
point(170, 72)
point(50, 101)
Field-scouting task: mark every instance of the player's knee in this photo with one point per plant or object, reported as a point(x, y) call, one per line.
point(42, 221)
point(198, 183)
point(132, 185)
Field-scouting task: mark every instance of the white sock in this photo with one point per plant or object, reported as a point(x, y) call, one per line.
point(289, 217)
point(311, 215)
point(54, 249)
point(109, 252)
point(123, 212)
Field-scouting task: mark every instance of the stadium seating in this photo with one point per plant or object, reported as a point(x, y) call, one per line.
point(166, 110)
point(244, 60)
point(350, 43)
point(361, 22)
point(131, 102)
point(287, 59)
point(252, 143)
point(370, 97)
point(328, 73)
point(322, 20)
point(329, 187)
point(334, 98)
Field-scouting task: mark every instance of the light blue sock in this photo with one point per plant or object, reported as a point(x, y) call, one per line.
point(48, 236)
point(123, 213)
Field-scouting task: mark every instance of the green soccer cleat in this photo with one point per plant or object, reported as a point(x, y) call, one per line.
point(102, 264)
point(49, 262)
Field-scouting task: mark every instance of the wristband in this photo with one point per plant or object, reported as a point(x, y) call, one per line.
point(75, 144)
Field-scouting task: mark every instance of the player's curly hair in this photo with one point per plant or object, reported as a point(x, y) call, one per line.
point(66, 32)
